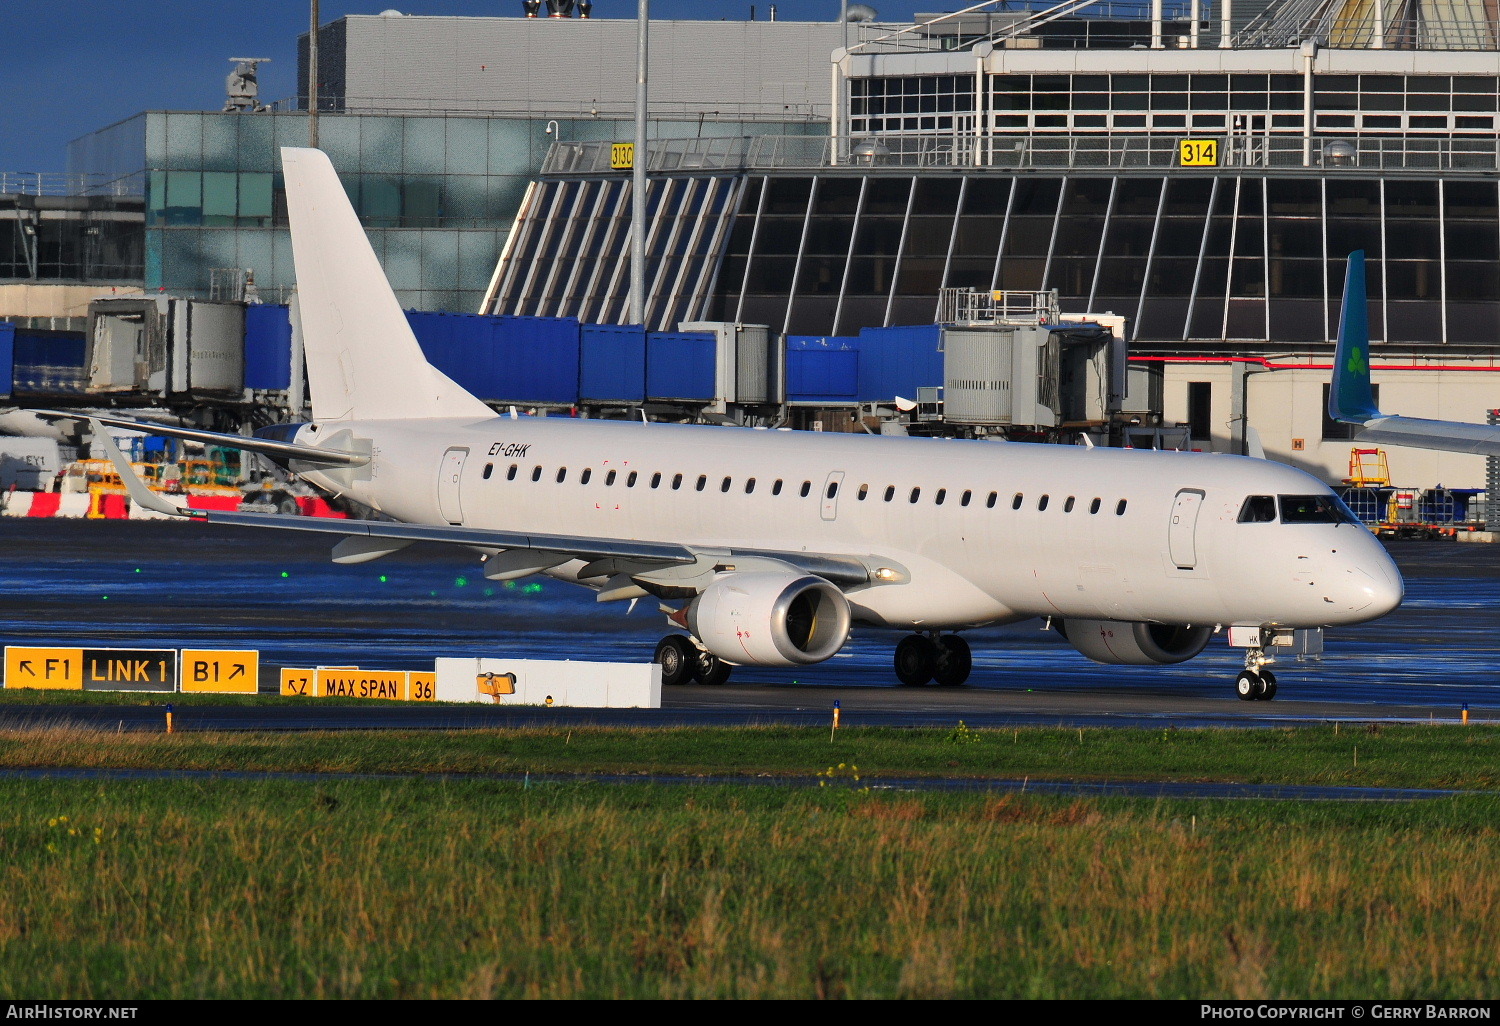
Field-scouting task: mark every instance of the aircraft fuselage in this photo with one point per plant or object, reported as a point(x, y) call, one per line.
point(986, 532)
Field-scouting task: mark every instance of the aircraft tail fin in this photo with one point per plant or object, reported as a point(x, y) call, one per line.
point(363, 362)
point(1350, 397)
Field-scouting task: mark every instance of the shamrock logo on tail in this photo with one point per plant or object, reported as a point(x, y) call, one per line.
point(1357, 364)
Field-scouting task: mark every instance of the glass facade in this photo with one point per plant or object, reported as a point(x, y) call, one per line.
point(1184, 256)
point(1355, 105)
point(571, 253)
point(437, 193)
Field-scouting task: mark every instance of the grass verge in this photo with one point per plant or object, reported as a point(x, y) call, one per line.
point(455, 889)
point(1371, 756)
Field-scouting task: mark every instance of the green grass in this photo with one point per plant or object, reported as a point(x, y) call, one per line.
point(459, 889)
point(1388, 756)
point(467, 886)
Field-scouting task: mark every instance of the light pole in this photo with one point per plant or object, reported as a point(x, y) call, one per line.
point(312, 79)
point(638, 174)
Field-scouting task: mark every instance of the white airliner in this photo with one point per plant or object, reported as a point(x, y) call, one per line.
point(764, 547)
point(1352, 400)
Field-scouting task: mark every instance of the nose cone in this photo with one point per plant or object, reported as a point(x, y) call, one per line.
point(1369, 587)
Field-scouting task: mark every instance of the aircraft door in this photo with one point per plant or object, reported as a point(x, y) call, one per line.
point(831, 495)
point(1181, 533)
point(448, 481)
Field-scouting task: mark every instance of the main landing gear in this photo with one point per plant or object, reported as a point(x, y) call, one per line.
point(1255, 683)
point(682, 661)
point(943, 659)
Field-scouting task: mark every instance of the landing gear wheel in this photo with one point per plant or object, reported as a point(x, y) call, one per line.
point(1247, 685)
point(916, 658)
point(954, 661)
point(709, 668)
point(1267, 690)
point(676, 656)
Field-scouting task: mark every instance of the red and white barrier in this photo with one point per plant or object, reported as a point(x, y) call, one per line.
point(113, 506)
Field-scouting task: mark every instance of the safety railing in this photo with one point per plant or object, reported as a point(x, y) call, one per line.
point(63, 183)
point(1034, 151)
point(1002, 306)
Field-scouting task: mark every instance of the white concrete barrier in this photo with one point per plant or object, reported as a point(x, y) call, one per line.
point(549, 682)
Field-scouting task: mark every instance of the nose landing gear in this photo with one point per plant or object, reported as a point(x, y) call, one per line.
point(1255, 683)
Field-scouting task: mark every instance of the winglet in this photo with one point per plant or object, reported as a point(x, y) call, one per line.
point(139, 493)
point(1350, 398)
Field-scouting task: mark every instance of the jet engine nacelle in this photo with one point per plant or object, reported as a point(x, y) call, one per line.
point(770, 619)
point(1136, 644)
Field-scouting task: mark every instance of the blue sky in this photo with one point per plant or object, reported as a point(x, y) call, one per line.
point(71, 67)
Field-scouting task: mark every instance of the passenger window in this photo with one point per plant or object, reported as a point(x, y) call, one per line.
point(676, 482)
point(1120, 508)
point(489, 468)
point(776, 487)
point(1068, 505)
point(1041, 503)
point(1016, 502)
point(1258, 509)
point(964, 501)
point(609, 478)
point(1094, 506)
point(656, 480)
point(833, 489)
point(725, 486)
point(890, 492)
point(536, 473)
point(702, 482)
point(749, 485)
point(630, 480)
point(562, 472)
point(806, 487)
point(583, 478)
point(990, 502)
point(864, 490)
point(510, 475)
point(916, 493)
point(942, 493)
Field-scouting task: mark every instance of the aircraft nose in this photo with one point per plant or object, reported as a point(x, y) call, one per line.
point(1371, 590)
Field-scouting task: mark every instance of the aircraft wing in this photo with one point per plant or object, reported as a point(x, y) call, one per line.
point(1351, 400)
point(280, 450)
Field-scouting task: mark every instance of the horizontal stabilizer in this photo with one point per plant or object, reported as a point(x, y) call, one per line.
point(280, 450)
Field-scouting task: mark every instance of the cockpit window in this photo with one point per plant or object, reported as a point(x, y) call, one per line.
point(1258, 509)
point(1315, 509)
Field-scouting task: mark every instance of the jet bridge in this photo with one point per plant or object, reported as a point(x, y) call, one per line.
point(1014, 362)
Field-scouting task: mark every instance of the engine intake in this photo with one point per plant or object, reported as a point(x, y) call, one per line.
point(770, 619)
point(1135, 644)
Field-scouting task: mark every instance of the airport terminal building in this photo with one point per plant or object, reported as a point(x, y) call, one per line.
point(1202, 178)
point(1205, 185)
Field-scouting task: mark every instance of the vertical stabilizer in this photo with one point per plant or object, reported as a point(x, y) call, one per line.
point(1350, 397)
point(363, 362)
